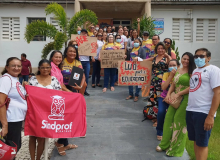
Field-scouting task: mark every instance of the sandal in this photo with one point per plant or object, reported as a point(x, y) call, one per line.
point(93, 86)
point(104, 90)
point(155, 124)
point(135, 99)
point(60, 149)
point(158, 149)
point(154, 120)
point(129, 97)
point(112, 89)
point(159, 138)
point(99, 85)
point(71, 146)
point(116, 84)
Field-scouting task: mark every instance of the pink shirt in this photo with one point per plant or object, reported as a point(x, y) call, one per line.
point(56, 72)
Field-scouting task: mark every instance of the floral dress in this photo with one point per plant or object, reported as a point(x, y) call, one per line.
point(174, 129)
point(155, 89)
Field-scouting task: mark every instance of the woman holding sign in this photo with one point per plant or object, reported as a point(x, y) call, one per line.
point(137, 51)
point(110, 72)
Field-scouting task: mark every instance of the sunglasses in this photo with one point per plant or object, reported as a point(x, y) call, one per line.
point(199, 56)
point(99, 35)
point(166, 42)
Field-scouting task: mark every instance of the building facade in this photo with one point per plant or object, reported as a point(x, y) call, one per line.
point(191, 23)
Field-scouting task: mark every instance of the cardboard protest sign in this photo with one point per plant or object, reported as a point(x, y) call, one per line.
point(87, 46)
point(134, 74)
point(110, 58)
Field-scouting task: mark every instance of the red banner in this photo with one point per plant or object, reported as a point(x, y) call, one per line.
point(55, 114)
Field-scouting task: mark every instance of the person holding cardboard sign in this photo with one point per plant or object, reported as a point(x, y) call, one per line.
point(110, 72)
point(140, 52)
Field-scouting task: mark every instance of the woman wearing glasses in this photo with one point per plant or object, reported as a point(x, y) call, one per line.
point(43, 79)
point(96, 64)
point(110, 72)
point(168, 43)
point(11, 118)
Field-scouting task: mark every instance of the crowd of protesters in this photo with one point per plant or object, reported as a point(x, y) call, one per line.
point(198, 88)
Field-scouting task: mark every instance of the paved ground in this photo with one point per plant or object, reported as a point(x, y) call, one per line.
point(115, 130)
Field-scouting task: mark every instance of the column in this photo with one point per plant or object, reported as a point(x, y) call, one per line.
point(77, 6)
point(148, 8)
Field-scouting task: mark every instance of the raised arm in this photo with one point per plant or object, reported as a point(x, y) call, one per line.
point(138, 30)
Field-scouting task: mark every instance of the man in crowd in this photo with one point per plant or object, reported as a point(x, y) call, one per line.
point(26, 69)
point(203, 102)
point(149, 47)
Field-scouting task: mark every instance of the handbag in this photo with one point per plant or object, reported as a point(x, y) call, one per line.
point(175, 104)
point(7, 100)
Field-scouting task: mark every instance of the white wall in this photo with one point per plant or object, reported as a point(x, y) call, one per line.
point(34, 48)
point(198, 11)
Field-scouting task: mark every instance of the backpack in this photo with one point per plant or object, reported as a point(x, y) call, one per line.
point(148, 113)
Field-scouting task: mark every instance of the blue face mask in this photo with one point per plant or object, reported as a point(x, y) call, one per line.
point(78, 32)
point(76, 46)
point(118, 40)
point(200, 62)
point(136, 45)
point(171, 68)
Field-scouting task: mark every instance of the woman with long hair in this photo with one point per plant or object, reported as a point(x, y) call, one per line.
point(96, 64)
point(11, 118)
point(174, 130)
point(71, 58)
point(43, 79)
point(168, 42)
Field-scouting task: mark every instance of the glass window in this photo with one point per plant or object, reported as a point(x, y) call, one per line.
point(126, 22)
point(38, 37)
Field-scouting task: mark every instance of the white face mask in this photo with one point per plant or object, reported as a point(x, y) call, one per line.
point(97, 28)
point(105, 29)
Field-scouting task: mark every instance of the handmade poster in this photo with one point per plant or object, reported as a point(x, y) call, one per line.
point(110, 58)
point(159, 26)
point(134, 74)
point(87, 46)
point(54, 114)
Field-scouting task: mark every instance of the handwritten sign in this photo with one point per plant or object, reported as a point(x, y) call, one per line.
point(159, 26)
point(110, 58)
point(87, 46)
point(134, 74)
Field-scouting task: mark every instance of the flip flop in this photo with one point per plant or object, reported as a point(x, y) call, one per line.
point(129, 97)
point(60, 149)
point(104, 90)
point(71, 146)
point(112, 89)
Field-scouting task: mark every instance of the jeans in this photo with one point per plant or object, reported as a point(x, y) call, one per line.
point(116, 76)
point(131, 91)
point(162, 107)
point(23, 77)
point(86, 68)
point(96, 72)
point(109, 72)
point(63, 141)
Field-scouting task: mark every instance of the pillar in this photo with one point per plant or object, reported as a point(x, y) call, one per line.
point(148, 8)
point(77, 6)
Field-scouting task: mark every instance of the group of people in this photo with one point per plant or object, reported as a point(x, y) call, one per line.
point(199, 88)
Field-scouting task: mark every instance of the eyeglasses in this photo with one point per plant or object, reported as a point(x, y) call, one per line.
point(43, 68)
point(92, 27)
point(99, 35)
point(14, 66)
point(118, 38)
point(146, 35)
point(199, 56)
point(166, 42)
point(154, 39)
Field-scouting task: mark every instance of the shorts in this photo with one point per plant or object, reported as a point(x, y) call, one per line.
point(195, 126)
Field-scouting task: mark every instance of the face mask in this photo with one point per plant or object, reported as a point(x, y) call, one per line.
point(118, 40)
point(200, 62)
point(105, 29)
point(97, 28)
point(136, 45)
point(78, 32)
point(171, 68)
point(76, 47)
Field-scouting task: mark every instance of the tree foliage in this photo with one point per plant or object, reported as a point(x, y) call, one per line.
point(146, 24)
point(59, 37)
point(173, 46)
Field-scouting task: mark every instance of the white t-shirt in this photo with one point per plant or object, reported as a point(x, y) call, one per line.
point(123, 40)
point(18, 105)
point(202, 83)
point(84, 58)
point(100, 44)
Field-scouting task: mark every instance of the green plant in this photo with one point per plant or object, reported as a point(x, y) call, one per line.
point(59, 38)
point(176, 50)
point(146, 24)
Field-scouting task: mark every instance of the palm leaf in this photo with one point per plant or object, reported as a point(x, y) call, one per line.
point(59, 14)
point(59, 40)
point(47, 49)
point(79, 19)
point(39, 28)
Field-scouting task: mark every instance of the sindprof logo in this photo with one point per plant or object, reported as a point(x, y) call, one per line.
point(57, 113)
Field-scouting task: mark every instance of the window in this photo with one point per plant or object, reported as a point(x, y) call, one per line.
point(182, 29)
point(10, 28)
point(206, 30)
point(117, 23)
point(38, 37)
point(54, 22)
